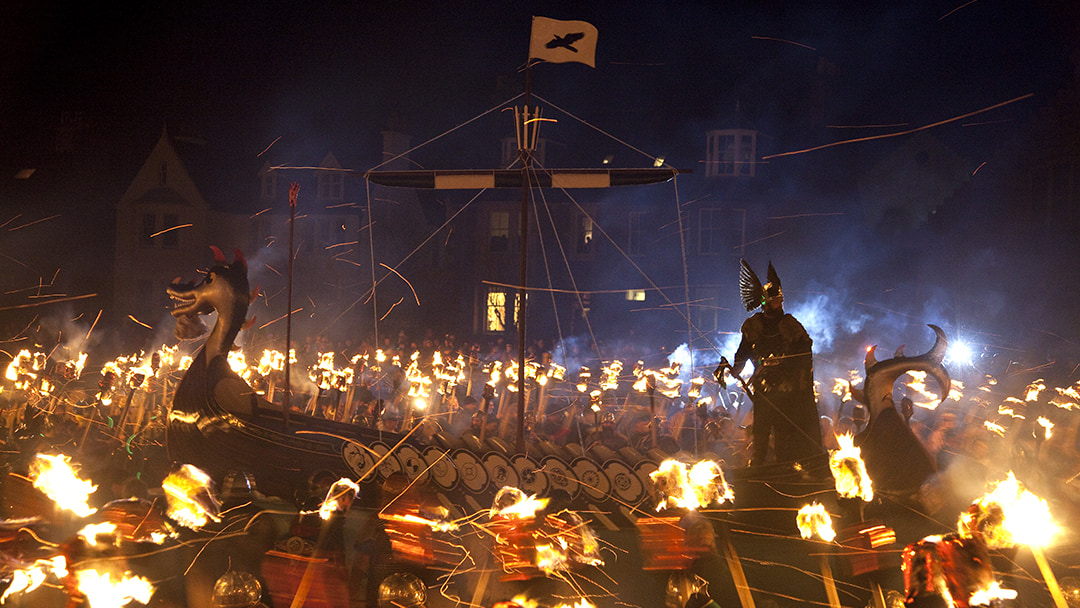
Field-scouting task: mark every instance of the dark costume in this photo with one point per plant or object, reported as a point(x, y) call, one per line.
point(783, 380)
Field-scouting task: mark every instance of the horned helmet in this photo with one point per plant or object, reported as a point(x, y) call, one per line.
point(753, 293)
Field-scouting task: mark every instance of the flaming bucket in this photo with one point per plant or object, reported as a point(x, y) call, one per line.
point(868, 546)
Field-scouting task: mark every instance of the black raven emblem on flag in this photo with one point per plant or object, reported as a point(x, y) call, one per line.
point(566, 42)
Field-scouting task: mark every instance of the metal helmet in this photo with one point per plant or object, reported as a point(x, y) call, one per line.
point(753, 293)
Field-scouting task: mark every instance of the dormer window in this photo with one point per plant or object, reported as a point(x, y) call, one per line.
point(731, 153)
point(163, 173)
point(331, 185)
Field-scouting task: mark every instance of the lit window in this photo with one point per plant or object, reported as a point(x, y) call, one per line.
point(583, 234)
point(495, 318)
point(635, 295)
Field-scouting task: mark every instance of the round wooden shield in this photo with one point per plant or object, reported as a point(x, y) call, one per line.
point(532, 479)
point(500, 471)
point(358, 458)
point(594, 483)
point(624, 482)
point(443, 472)
point(412, 462)
point(472, 473)
point(560, 475)
point(389, 464)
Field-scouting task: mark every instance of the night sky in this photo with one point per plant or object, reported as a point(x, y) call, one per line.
point(330, 76)
point(246, 73)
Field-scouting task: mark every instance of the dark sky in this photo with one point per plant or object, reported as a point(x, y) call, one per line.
point(332, 75)
point(249, 72)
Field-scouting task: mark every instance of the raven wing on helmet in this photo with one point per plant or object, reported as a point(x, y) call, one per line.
point(750, 286)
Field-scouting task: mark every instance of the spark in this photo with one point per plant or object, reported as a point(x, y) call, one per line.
point(272, 269)
point(899, 133)
point(44, 219)
point(969, 2)
point(171, 229)
point(93, 325)
point(14, 260)
point(329, 247)
point(400, 300)
point(403, 279)
point(782, 40)
point(280, 318)
point(979, 167)
point(788, 217)
point(268, 147)
point(888, 126)
point(259, 213)
point(139, 322)
point(54, 301)
point(759, 240)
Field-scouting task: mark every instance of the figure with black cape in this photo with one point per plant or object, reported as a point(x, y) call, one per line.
point(782, 384)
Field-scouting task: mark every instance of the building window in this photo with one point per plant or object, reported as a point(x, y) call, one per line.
point(170, 239)
point(331, 185)
point(634, 245)
point(163, 173)
point(635, 295)
point(583, 234)
point(499, 231)
point(730, 153)
point(269, 185)
point(147, 229)
point(498, 307)
point(710, 231)
point(704, 308)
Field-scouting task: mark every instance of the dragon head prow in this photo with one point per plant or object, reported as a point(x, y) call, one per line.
point(224, 288)
point(881, 376)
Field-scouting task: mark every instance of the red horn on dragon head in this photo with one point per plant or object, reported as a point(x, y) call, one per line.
point(219, 258)
point(239, 257)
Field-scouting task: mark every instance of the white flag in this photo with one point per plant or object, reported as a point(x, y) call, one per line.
point(563, 41)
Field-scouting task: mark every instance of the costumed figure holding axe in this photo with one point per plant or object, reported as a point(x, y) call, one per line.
point(782, 385)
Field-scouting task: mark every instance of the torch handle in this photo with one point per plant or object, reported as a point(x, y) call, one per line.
point(1048, 576)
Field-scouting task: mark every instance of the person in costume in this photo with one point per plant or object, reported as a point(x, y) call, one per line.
point(783, 380)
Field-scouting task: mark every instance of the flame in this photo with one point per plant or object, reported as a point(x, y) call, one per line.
point(609, 375)
point(54, 476)
point(1047, 425)
point(552, 557)
point(1033, 390)
point(339, 498)
point(190, 502)
point(27, 579)
point(512, 503)
point(992, 592)
point(686, 487)
point(581, 603)
point(408, 518)
point(814, 519)
point(90, 532)
point(100, 590)
point(272, 360)
point(849, 471)
point(1024, 518)
point(994, 427)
